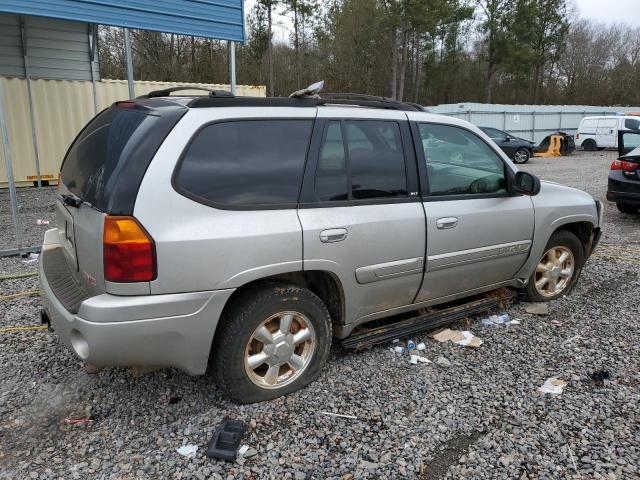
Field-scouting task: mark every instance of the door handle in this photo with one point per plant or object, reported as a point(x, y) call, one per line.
point(446, 222)
point(332, 235)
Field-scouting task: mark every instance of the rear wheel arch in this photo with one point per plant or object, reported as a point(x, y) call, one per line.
point(324, 284)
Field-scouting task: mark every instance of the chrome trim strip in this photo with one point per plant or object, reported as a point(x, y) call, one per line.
point(462, 257)
point(383, 271)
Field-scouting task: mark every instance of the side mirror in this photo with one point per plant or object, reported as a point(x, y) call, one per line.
point(507, 138)
point(526, 183)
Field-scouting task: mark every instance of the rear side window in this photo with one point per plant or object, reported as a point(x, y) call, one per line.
point(108, 159)
point(361, 159)
point(247, 163)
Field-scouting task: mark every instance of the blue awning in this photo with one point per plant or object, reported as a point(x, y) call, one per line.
point(221, 19)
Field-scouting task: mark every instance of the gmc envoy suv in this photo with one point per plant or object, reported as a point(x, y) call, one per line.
point(245, 234)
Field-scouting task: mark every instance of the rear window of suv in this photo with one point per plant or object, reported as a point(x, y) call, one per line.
point(106, 162)
point(245, 163)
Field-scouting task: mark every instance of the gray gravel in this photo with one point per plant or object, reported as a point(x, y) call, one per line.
point(478, 414)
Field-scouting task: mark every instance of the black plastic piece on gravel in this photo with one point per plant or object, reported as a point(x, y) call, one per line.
point(226, 440)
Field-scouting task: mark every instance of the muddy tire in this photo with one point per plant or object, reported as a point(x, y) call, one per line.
point(272, 341)
point(589, 145)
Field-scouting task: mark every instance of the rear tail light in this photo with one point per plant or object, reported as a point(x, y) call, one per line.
point(128, 251)
point(577, 136)
point(622, 165)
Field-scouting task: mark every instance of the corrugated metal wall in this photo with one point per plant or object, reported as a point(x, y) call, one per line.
point(61, 109)
point(222, 19)
point(533, 122)
point(55, 48)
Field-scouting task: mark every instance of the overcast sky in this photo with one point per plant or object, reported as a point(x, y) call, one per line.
point(610, 11)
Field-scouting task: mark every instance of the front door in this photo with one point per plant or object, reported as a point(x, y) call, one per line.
point(360, 211)
point(478, 234)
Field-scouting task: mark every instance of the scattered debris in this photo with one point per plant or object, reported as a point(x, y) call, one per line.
point(398, 349)
point(553, 386)
point(188, 451)
point(464, 338)
point(537, 308)
point(496, 319)
point(411, 345)
point(42, 222)
point(77, 421)
point(555, 322)
point(573, 460)
point(352, 417)
point(31, 258)
point(417, 358)
point(396, 340)
point(421, 346)
point(443, 362)
point(242, 450)
point(515, 321)
point(599, 376)
point(226, 440)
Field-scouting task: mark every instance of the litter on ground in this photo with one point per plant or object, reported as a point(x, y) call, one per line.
point(31, 258)
point(537, 309)
point(417, 358)
point(42, 222)
point(188, 451)
point(443, 362)
point(341, 415)
point(553, 386)
point(503, 319)
point(421, 346)
point(464, 338)
point(77, 421)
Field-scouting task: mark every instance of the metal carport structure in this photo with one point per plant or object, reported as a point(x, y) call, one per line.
point(219, 19)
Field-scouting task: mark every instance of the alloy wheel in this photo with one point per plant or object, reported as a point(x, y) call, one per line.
point(555, 271)
point(280, 349)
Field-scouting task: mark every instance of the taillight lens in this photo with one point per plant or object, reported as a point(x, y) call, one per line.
point(622, 165)
point(128, 251)
point(577, 136)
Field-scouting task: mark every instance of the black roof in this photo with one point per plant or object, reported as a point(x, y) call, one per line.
point(217, 98)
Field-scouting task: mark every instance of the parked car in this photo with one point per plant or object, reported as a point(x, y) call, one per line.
point(624, 176)
point(246, 233)
point(516, 148)
point(600, 132)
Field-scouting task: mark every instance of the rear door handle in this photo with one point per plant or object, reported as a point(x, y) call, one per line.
point(446, 222)
point(332, 235)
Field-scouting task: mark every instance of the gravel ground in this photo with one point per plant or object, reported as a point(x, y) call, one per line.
point(481, 416)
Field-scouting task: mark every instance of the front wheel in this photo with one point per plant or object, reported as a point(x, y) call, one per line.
point(522, 155)
point(274, 340)
point(627, 208)
point(558, 270)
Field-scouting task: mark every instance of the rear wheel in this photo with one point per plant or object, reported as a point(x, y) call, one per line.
point(558, 270)
point(522, 155)
point(627, 208)
point(589, 145)
point(273, 341)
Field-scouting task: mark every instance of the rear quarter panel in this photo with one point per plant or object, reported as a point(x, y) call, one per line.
point(203, 248)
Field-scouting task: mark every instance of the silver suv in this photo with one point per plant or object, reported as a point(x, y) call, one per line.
point(246, 233)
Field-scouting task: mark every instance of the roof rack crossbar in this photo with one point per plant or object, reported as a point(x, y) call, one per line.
point(166, 92)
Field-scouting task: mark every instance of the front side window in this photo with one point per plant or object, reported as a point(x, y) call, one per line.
point(246, 163)
point(459, 162)
point(361, 159)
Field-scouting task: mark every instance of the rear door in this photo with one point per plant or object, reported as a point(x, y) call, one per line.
point(478, 234)
point(607, 132)
point(360, 211)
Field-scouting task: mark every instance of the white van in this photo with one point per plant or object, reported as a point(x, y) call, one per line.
point(597, 133)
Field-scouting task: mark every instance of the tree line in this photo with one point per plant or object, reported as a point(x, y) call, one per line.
point(425, 51)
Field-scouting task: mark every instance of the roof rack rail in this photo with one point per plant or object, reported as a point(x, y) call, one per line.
point(166, 92)
point(360, 97)
point(339, 99)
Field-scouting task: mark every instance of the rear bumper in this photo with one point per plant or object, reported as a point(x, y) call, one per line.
point(623, 189)
point(152, 330)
